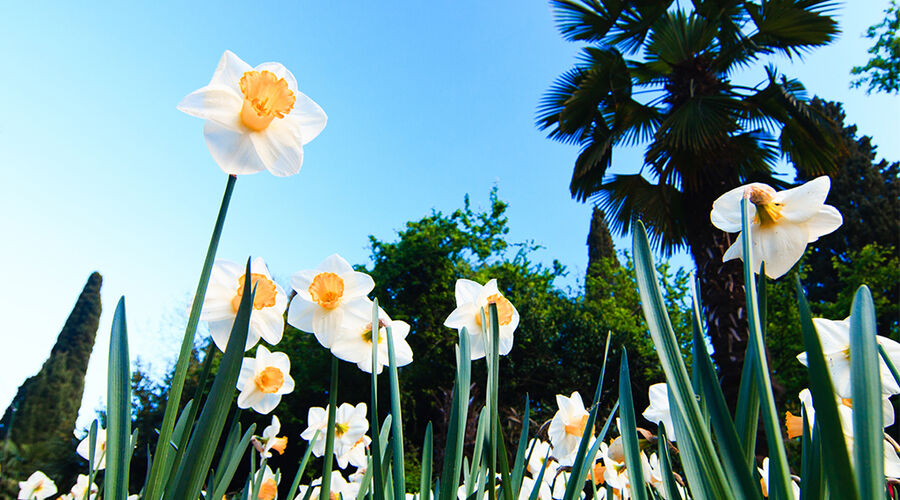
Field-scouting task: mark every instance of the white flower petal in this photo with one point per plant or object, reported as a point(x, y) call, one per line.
point(804, 201)
point(356, 285)
point(301, 314)
point(826, 221)
point(308, 117)
point(467, 291)
point(217, 103)
point(230, 70)
point(781, 246)
point(279, 147)
point(232, 149)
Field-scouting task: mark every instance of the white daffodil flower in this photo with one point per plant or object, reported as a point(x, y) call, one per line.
point(783, 223)
point(764, 481)
point(471, 298)
point(84, 489)
point(271, 440)
point(256, 118)
point(37, 486)
point(616, 473)
point(528, 485)
point(340, 488)
point(658, 411)
point(356, 455)
point(891, 458)
point(835, 339)
point(353, 341)
point(794, 423)
point(350, 425)
point(323, 294)
point(268, 487)
point(263, 380)
point(84, 448)
point(226, 287)
point(567, 427)
point(539, 455)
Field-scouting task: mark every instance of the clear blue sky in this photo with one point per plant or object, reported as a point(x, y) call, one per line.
point(426, 102)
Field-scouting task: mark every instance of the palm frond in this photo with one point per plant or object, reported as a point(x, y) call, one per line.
point(587, 20)
point(701, 123)
point(626, 198)
point(592, 163)
point(554, 102)
point(677, 37)
point(793, 27)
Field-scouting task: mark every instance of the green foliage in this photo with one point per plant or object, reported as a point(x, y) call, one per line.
point(41, 418)
point(882, 72)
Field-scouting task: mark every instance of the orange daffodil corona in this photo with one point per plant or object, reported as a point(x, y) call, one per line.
point(783, 223)
point(256, 118)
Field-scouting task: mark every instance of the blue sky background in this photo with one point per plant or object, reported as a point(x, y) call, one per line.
point(426, 102)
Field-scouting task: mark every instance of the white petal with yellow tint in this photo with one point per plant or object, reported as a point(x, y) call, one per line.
point(804, 201)
point(232, 149)
point(353, 343)
point(229, 70)
point(279, 71)
point(217, 103)
point(826, 221)
point(251, 396)
point(780, 246)
point(280, 148)
point(308, 117)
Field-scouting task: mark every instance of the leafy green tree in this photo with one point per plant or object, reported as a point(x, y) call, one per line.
point(882, 72)
point(867, 193)
point(659, 75)
point(41, 418)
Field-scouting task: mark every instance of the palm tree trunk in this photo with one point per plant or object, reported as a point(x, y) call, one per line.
point(721, 294)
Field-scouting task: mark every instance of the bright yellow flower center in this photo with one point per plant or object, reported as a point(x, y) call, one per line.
point(504, 310)
point(767, 211)
point(269, 380)
point(266, 97)
point(327, 289)
point(268, 490)
point(340, 429)
point(367, 333)
point(577, 428)
point(265, 292)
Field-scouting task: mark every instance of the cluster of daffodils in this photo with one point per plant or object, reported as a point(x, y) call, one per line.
point(552, 461)
point(835, 339)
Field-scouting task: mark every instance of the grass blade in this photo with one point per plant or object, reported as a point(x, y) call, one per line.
point(779, 479)
point(739, 472)
point(229, 467)
point(835, 458)
point(328, 457)
point(425, 478)
point(628, 431)
point(519, 465)
point(669, 486)
point(865, 384)
point(192, 472)
point(397, 420)
point(812, 484)
point(456, 430)
point(681, 395)
point(118, 431)
point(158, 476)
point(747, 416)
point(377, 472)
point(296, 483)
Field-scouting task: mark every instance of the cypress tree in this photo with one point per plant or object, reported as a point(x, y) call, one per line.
point(601, 254)
point(41, 418)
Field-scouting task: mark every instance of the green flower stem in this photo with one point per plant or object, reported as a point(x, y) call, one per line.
point(157, 474)
point(329, 437)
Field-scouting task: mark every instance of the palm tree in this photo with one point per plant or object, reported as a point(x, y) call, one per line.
point(659, 75)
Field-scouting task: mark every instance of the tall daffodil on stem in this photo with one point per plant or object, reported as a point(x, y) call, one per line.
point(256, 118)
point(784, 222)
